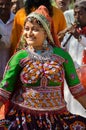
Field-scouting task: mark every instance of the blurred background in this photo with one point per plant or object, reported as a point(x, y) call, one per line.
point(71, 5)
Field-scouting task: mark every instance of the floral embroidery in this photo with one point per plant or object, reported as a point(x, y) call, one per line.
point(73, 76)
point(78, 125)
point(66, 61)
point(77, 90)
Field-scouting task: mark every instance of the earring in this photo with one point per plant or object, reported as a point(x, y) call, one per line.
point(45, 44)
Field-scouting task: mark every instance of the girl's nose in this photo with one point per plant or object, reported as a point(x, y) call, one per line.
point(30, 32)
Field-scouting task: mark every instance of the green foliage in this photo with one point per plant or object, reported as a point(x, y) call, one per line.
point(53, 2)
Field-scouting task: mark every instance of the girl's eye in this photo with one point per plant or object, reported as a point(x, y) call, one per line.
point(27, 29)
point(35, 29)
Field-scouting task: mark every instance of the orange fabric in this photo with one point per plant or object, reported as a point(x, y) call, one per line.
point(58, 18)
point(54, 35)
point(4, 110)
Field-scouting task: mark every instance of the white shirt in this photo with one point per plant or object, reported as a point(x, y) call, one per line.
point(69, 16)
point(75, 49)
point(5, 31)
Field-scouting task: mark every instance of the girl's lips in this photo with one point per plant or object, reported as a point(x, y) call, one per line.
point(30, 39)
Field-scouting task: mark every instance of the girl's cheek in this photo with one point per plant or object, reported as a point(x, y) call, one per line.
point(24, 34)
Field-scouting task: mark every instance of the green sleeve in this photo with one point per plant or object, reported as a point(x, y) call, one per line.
point(12, 71)
point(69, 68)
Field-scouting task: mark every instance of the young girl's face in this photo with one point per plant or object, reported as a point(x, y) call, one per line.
point(34, 34)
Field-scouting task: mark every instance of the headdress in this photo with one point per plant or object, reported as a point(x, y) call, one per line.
point(42, 15)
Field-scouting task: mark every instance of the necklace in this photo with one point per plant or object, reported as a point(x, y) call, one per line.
point(42, 55)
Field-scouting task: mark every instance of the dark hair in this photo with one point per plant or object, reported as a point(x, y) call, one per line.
point(80, 4)
point(29, 4)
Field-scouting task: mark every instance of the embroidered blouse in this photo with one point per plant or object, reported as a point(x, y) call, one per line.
point(35, 82)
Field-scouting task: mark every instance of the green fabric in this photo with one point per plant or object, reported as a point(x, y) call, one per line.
point(12, 74)
point(68, 67)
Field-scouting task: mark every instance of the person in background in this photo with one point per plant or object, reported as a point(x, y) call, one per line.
point(34, 83)
point(63, 4)
point(21, 3)
point(16, 5)
point(31, 5)
point(76, 46)
point(78, 32)
point(6, 23)
point(69, 16)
